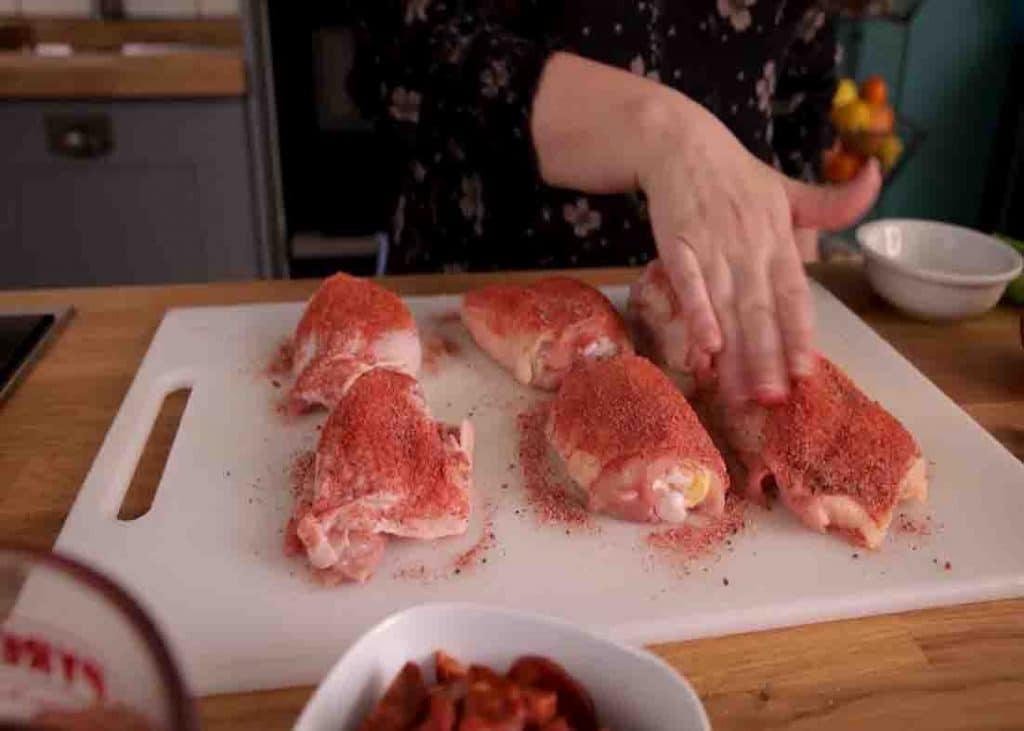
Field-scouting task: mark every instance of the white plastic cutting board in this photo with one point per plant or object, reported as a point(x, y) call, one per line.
point(207, 558)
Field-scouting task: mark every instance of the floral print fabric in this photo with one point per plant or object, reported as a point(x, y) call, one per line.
point(454, 80)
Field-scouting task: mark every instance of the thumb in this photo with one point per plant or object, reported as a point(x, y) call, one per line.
point(834, 207)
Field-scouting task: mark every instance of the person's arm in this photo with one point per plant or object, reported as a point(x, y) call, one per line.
point(723, 221)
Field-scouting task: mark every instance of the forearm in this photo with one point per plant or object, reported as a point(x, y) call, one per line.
point(596, 128)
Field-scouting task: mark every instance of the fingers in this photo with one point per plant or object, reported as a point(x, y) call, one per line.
point(729, 361)
point(687, 281)
point(807, 243)
point(834, 207)
point(795, 312)
point(763, 358)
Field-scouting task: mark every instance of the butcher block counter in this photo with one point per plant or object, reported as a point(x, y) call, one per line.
point(960, 667)
point(168, 59)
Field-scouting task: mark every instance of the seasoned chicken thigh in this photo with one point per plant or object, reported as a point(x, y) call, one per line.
point(350, 325)
point(383, 467)
point(839, 461)
point(539, 332)
point(633, 444)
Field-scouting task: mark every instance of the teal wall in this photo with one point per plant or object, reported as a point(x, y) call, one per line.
point(957, 54)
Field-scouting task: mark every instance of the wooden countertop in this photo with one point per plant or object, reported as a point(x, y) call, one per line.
point(954, 668)
point(209, 62)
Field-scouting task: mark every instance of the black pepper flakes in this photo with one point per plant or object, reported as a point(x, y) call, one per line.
point(725, 582)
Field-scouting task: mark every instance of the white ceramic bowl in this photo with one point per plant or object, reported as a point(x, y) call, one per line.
point(936, 271)
point(632, 689)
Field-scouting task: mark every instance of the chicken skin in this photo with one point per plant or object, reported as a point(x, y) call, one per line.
point(349, 326)
point(383, 468)
point(633, 445)
point(539, 332)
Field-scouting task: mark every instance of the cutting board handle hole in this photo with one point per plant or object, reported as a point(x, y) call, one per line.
point(150, 467)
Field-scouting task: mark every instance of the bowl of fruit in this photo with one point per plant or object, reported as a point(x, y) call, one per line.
point(867, 126)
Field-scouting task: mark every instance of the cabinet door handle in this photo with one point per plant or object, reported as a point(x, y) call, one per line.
point(80, 136)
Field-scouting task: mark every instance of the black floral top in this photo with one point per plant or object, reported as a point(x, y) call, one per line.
point(455, 78)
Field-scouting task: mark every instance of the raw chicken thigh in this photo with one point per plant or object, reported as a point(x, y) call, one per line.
point(839, 461)
point(539, 332)
point(349, 326)
point(383, 467)
point(659, 328)
point(654, 310)
point(633, 444)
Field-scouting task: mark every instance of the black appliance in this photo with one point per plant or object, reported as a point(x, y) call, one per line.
point(336, 175)
point(23, 335)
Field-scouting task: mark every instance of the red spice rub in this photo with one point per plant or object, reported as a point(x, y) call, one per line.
point(626, 407)
point(352, 309)
point(550, 499)
point(381, 439)
point(836, 441)
point(549, 304)
point(701, 536)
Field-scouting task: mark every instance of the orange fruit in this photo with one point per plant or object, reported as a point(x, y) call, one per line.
point(882, 119)
point(874, 90)
point(842, 166)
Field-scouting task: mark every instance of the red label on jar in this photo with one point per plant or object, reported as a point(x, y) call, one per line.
point(36, 653)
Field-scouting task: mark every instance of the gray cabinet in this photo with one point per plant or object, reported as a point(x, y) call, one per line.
point(171, 200)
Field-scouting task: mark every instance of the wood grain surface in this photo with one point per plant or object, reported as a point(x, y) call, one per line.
point(96, 34)
point(953, 668)
point(111, 75)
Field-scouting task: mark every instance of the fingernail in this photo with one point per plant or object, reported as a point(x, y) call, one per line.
point(770, 395)
point(803, 367)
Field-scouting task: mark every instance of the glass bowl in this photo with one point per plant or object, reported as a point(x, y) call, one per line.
point(77, 652)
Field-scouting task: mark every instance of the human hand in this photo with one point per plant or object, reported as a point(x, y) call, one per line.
point(727, 226)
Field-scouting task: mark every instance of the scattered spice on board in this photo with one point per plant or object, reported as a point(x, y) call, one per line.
point(281, 362)
point(913, 526)
point(477, 553)
point(413, 571)
point(448, 318)
point(546, 495)
point(436, 348)
point(300, 480)
point(701, 536)
point(300, 475)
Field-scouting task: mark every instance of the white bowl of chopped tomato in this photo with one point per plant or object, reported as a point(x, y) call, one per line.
point(456, 666)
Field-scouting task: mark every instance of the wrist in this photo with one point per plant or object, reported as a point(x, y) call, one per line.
point(664, 120)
